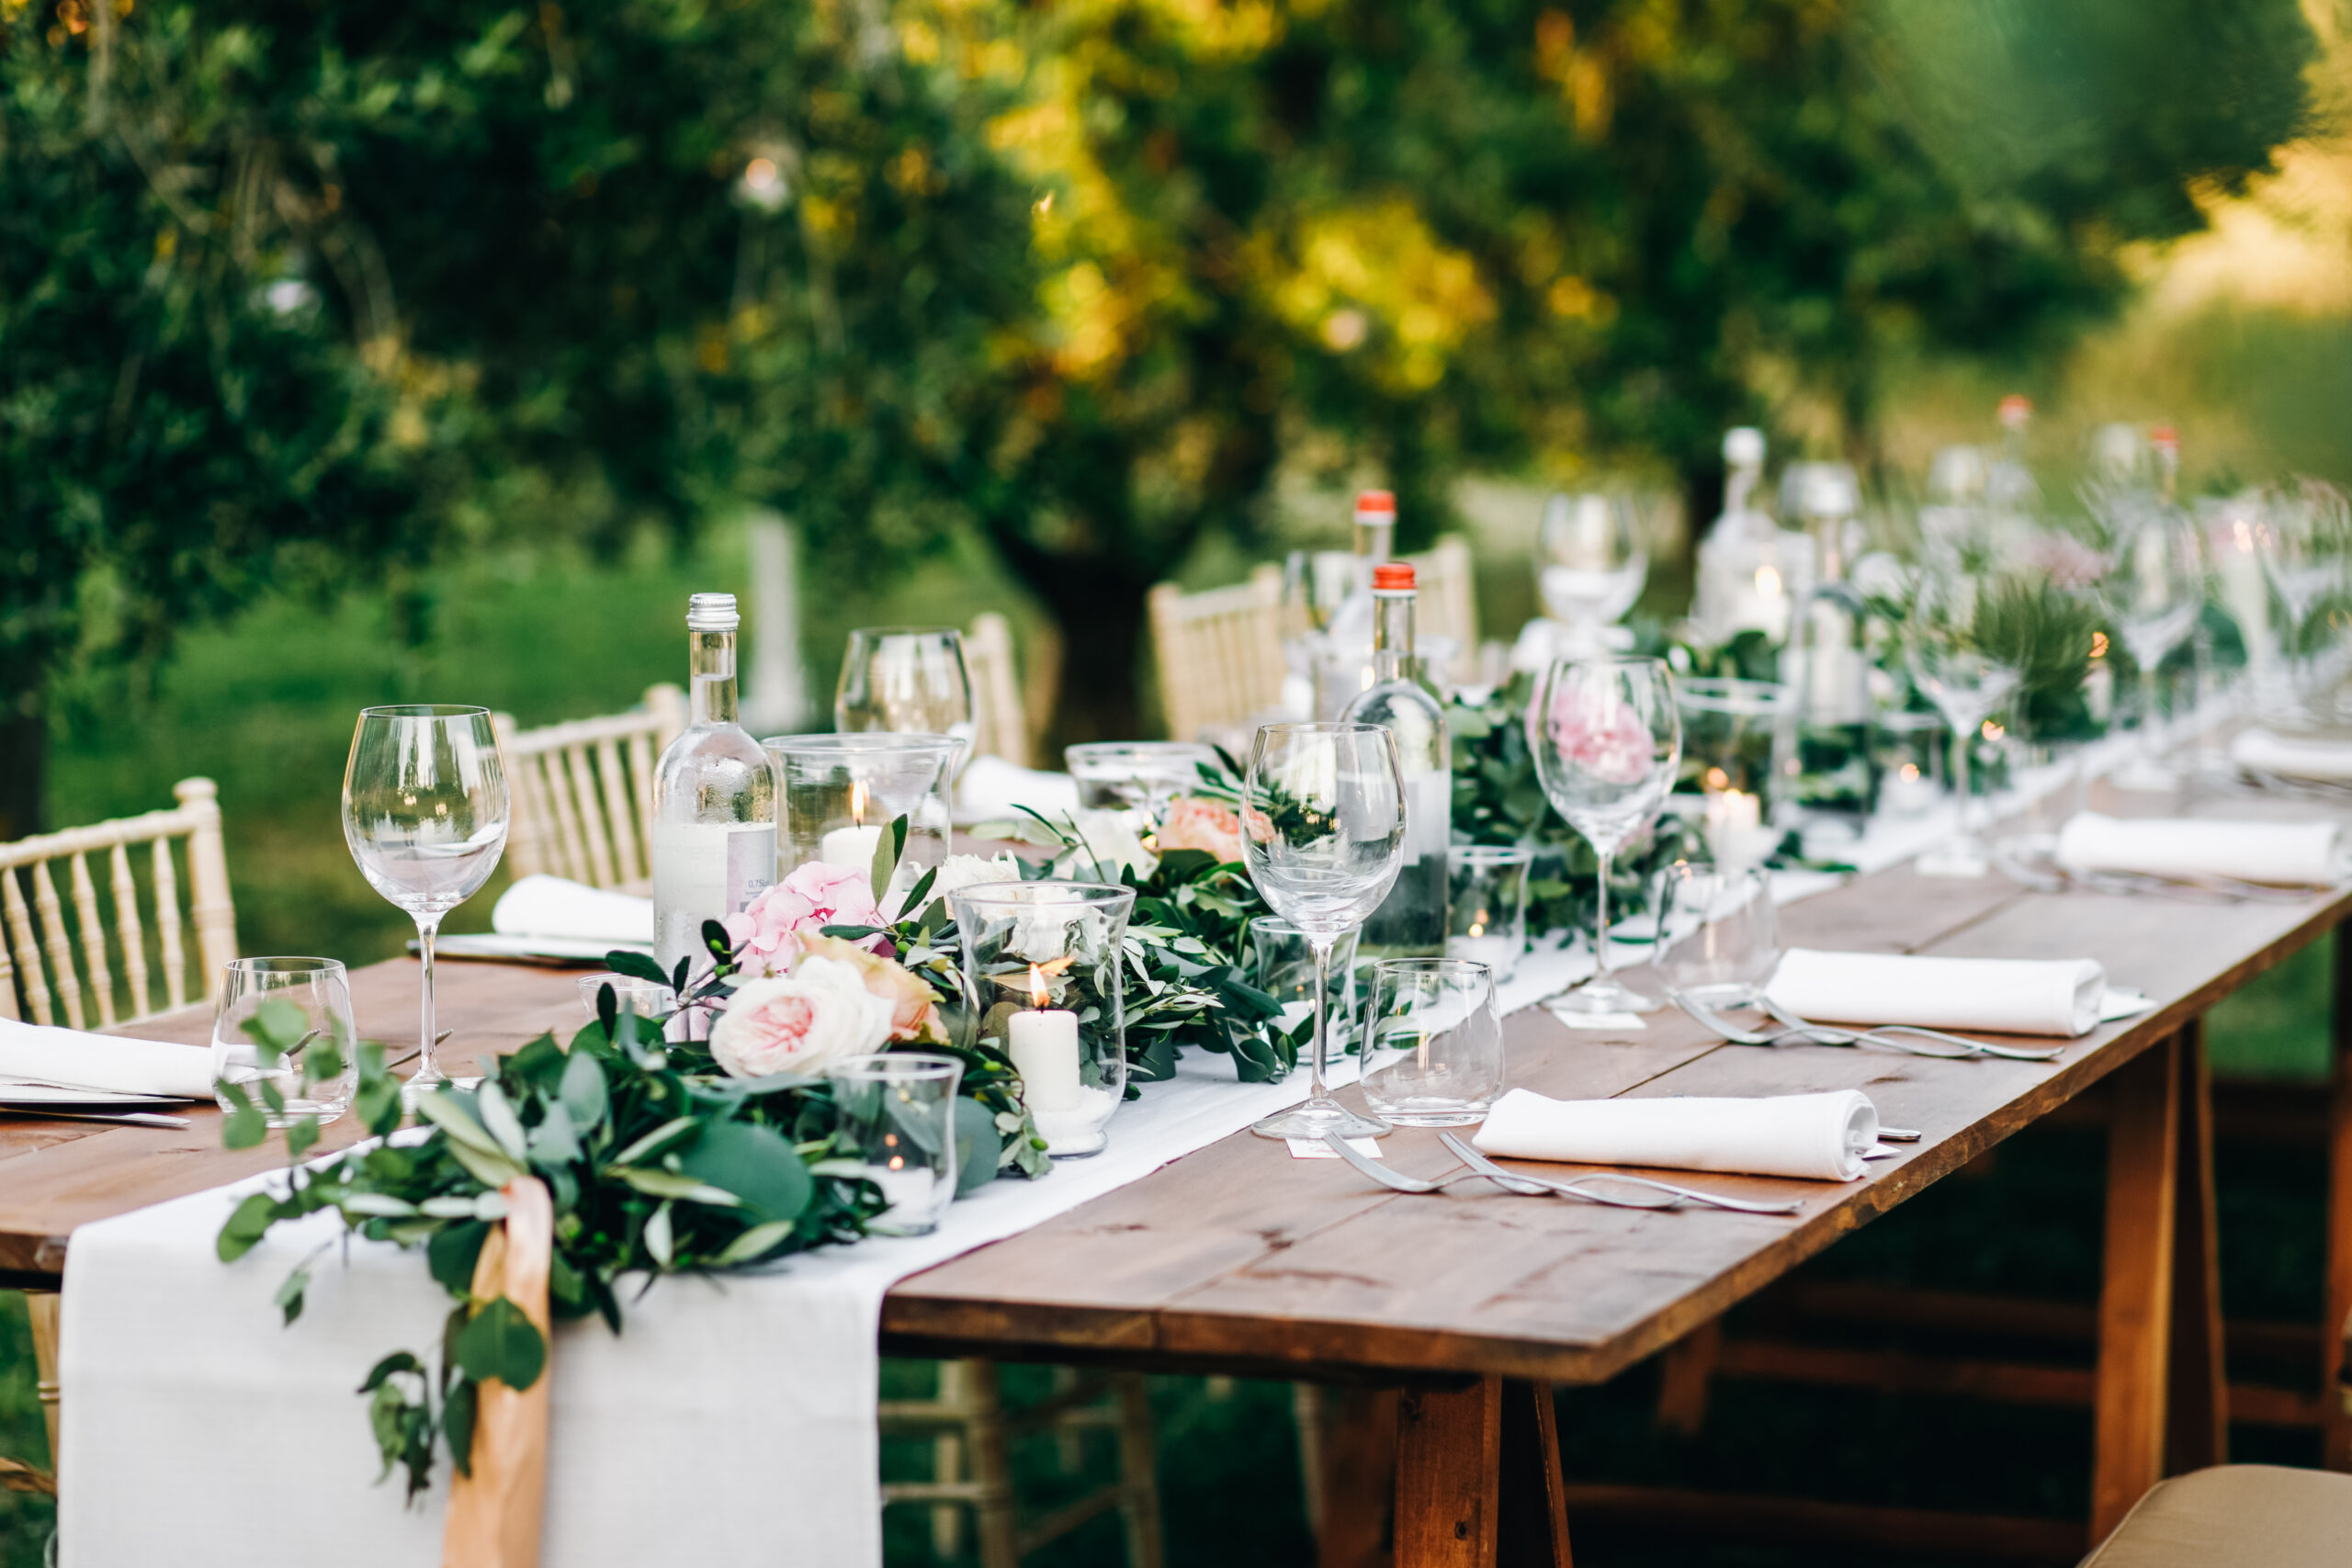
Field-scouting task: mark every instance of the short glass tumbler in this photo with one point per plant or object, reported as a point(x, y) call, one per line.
point(1720, 935)
point(1486, 905)
point(897, 1120)
point(1282, 967)
point(316, 1078)
point(1042, 965)
point(837, 795)
point(1141, 776)
point(1433, 1043)
point(630, 994)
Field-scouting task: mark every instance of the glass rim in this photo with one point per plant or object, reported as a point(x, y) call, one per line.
point(1316, 727)
point(921, 1066)
point(1615, 661)
point(286, 964)
point(609, 976)
point(1733, 695)
point(1493, 854)
point(1434, 965)
point(1146, 748)
point(856, 632)
point(1022, 894)
point(912, 742)
point(425, 710)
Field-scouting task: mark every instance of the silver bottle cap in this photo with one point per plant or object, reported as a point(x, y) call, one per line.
point(712, 613)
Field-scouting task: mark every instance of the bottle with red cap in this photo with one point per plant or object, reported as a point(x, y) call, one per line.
point(1410, 922)
point(1345, 664)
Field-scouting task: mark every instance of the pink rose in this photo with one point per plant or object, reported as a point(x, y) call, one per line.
point(1193, 823)
point(767, 935)
point(1599, 734)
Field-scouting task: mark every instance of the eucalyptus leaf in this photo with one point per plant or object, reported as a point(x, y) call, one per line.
point(501, 1343)
point(670, 1184)
point(498, 1118)
point(754, 1163)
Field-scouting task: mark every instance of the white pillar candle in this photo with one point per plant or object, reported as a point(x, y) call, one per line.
point(1043, 1048)
point(852, 849)
point(905, 1188)
point(1735, 829)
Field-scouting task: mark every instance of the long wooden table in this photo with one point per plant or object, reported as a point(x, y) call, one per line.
point(1238, 1258)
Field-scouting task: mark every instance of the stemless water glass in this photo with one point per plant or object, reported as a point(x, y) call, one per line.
point(1718, 934)
point(630, 994)
point(1486, 906)
point(1432, 1041)
point(1961, 659)
point(1607, 741)
point(315, 1078)
point(1141, 776)
point(1323, 825)
point(2154, 591)
point(424, 812)
point(909, 680)
point(1593, 565)
point(897, 1120)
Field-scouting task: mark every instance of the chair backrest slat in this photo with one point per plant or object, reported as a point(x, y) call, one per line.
point(1446, 598)
point(1220, 653)
point(583, 792)
point(87, 989)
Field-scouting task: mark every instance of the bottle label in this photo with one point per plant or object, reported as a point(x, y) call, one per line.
point(704, 871)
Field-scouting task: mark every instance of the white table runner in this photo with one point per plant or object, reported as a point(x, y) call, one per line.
point(732, 1423)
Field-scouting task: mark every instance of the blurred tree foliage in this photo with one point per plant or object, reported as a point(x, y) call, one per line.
point(288, 288)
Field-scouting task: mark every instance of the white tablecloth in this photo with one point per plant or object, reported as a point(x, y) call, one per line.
point(732, 1423)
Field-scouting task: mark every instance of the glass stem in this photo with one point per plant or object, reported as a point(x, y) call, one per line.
point(1961, 743)
point(428, 1065)
point(2148, 747)
point(1601, 919)
point(1321, 947)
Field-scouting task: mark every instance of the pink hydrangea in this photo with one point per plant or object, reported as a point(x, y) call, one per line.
point(1602, 735)
point(767, 935)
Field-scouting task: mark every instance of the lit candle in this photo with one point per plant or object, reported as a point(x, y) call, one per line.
point(851, 848)
point(1734, 828)
point(1043, 1044)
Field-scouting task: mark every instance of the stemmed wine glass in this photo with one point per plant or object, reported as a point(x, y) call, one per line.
point(1963, 655)
point(1607, 740)
point(907, 680)
point(2301, 541)
point(1593, 566)
point(1323, 828)
point(2154, 591)
point(425, 811)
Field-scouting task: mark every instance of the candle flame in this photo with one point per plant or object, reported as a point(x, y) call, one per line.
point(858, 802)
point(1718, 779)
point(1768, 583)
point(2098, 645)
point(1038, 996)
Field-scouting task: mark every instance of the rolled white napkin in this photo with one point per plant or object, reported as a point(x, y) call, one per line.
point(70, 1058)
point(993, 790)
point(555, 906)
point(2010, 996)
point(2291, 854)
point(1822, 1138)
point(2292, 756)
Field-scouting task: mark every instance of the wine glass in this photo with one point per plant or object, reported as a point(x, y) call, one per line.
point(907, 680)
point(1607, 740)
point(424, 812)
point(1593, 566)
point(2156, 589)
point(2301, 543)
point(1323, 828)
point(1964, 656)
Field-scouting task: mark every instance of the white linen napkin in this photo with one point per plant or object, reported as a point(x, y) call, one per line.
point(2011, 995)
point(69, 1058)
point(1822, 1138)
point(2286, 852)
point(993, 790)
point(555, 906)
point(2292, 756)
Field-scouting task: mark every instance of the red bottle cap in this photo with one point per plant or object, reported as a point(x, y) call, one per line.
point(1376, 500)
point(2164, 438)
point(1393, 577)
point(2016, 409)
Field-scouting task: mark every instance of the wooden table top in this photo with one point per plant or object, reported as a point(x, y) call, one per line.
point(1239, 1257)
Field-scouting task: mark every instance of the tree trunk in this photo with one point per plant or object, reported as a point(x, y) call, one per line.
point(1101, 619)
point(23, 758)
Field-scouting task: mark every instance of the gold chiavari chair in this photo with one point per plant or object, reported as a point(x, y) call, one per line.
point(1446, 601)
point(1000, 718)
point(582, 793)
point(96, 968)
point(1220, 652)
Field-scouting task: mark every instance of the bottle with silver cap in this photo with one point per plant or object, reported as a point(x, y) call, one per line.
point(714, 798)
point(1750, 570)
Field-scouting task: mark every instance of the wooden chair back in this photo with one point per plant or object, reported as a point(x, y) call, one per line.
point(582, 793)
point(1446, 599)
point(1220, 653)
point(66, 972)
point(1000, 720)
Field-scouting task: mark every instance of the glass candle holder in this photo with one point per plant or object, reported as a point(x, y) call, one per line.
point(1909, 748)
point(630, 994)
point(1729, 731)
point(1433, 1043)
point(1486, 905)
point(1135, 775)
point(1283, 968)
point(837, 795)
point(316, 1077)
point(897, 1120)
point(1043, 964)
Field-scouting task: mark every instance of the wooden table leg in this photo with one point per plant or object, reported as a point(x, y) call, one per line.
point(2135, 1296)
point(2196, 1407)
point(2337, 1425)
point(1352, 1474)
point(1449, 1469)
point(1532, 1529)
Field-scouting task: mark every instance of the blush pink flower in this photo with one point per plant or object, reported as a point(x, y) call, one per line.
point(1195, 824)
point(1601, 735)
point(767, 935)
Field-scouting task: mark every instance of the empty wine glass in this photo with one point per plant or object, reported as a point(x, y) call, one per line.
point(1964, 658)
point(2156, 589)
point(1593, 566)
point(1323, 828)
point(907, 680)
point(424, 812)
point(1607, 740)
point(2301, 543)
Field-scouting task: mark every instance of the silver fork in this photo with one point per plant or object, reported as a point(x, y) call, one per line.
point(1396, 1180)
point(1574, 1186)
point(1882, 1034)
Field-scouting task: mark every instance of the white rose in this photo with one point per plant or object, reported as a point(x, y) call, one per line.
point(958, 872)
point(799, 1022)
point(1109, 841)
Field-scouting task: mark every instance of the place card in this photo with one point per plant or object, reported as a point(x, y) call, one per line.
point(1316, 1149)
point(2122, 1001)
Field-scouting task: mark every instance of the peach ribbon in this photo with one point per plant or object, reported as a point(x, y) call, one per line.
point(495, 1512)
